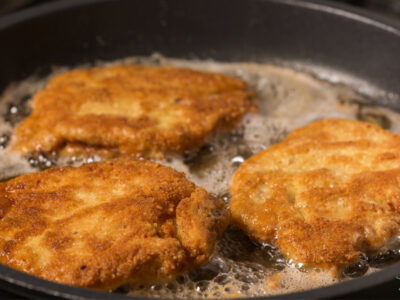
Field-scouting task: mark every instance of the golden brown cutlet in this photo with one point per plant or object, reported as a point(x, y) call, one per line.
point(135, 109)
point(106, 224)
point(328, 191)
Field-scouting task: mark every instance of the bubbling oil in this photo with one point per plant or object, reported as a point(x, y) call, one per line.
point(287, 99)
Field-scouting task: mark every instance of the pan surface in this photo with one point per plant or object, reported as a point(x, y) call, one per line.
point(349, 45)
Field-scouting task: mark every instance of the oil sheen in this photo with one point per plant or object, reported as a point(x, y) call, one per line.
point(287, 99)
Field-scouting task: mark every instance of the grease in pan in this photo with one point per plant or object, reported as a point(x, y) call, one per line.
point(286, 100)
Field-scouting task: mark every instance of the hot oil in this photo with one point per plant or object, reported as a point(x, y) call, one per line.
point(287, 100)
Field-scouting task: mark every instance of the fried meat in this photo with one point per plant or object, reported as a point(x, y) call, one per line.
point(106, 224)
point(135, 109)
point(326, 193)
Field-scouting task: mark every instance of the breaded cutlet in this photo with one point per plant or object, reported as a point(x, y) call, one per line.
point(131, 110)
point(107, 224)
point(329, 191)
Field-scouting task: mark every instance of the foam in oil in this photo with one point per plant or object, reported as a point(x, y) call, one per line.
point(287, 99)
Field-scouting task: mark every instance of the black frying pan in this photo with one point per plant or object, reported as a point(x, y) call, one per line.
point(312, 33)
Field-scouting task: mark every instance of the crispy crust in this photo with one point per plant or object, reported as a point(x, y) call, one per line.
point(127, 110)
point(106, 224)
point(328, 191)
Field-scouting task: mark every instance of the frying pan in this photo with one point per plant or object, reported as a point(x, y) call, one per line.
point(351, 46)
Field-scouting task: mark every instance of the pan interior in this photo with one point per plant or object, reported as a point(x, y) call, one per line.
point(287, 99)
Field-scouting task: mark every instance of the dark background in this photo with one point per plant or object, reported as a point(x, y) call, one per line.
point(390, 8)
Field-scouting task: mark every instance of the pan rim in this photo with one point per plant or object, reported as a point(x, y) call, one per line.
point(366, 17)
point(31, 283)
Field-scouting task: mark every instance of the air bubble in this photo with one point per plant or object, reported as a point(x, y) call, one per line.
point(286, 100)
point(92, 159)
point(208, 272)
point(225, 197)
point(236, 135)
point(156, 287)
point(245, 278)
point(124, 289)
point(202, 286)
point(172, 286)
point(217, 295)
point(384, 259)
point(4, 139)
point(237, 160)
point(17, 110)
point(41, 161)
point(358, 269)
point(181, 279)
point(244, 288)
point(222, 279)
point(200, 160)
